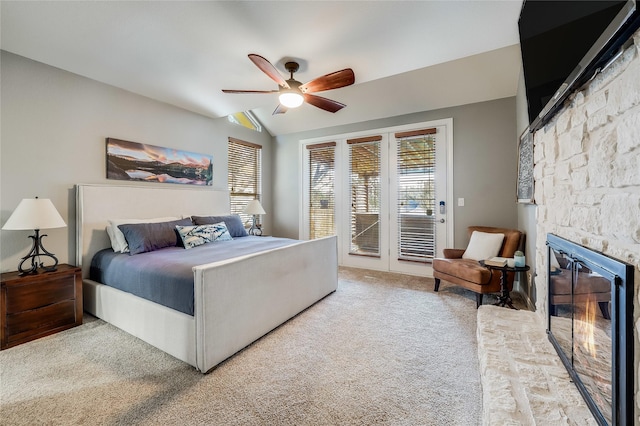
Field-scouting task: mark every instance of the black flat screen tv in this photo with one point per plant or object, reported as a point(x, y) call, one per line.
point(565, 43)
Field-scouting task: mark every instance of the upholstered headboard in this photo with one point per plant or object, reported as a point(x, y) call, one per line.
point(96, 204)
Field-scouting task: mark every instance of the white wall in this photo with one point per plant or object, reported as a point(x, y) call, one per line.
point(526, 212)
point(485, 165)
point(54, 125)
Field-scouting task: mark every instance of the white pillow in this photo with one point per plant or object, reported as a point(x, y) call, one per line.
point(483, 245)
point(118, 242)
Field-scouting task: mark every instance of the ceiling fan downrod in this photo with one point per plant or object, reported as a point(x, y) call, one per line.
point(292, 67)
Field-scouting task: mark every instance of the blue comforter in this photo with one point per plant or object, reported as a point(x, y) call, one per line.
point(166, 276)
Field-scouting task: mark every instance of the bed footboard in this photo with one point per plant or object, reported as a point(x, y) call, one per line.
point(162, 327)
point(238, 302)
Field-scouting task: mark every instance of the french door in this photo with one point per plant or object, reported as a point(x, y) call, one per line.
point(386, 195)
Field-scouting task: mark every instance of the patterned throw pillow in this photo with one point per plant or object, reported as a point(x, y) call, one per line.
point(193, 236)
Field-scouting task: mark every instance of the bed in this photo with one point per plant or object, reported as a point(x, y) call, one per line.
point(235, 301)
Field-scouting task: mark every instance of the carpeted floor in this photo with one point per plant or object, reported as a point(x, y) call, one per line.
point(383, 349)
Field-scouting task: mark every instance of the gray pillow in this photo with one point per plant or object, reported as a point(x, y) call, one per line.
point(233, 222)
point(143, 237)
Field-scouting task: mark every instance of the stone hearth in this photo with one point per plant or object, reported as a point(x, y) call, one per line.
point(523, 380)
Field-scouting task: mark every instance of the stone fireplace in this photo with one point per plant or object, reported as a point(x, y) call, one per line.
point(587, 181)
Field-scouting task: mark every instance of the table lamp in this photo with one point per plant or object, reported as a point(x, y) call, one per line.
point(35, 213)
point(254, 208)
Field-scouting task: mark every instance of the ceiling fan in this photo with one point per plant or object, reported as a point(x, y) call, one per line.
point(293, 93)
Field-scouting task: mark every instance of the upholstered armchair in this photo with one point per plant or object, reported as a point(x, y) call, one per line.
point(462, 267)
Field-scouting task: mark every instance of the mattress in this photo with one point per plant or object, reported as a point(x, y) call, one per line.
point(166, 276)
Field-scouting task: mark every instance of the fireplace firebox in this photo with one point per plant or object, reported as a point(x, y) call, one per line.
point(590, 324)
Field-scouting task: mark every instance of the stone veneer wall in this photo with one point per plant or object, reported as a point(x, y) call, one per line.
point(587, 176)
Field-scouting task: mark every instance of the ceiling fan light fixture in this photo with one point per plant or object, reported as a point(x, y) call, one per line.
point(293, 93)
point(291, 99)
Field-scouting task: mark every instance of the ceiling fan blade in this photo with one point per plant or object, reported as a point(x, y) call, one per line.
point(249, 91)
point(280, 109)
point(334, 80)
point(323, 103)
point(268, 69)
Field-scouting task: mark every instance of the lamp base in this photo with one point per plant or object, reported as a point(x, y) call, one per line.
point(255, 228)
point(255, 231)
point(35, 255)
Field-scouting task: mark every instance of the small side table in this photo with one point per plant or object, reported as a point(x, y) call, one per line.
point(505, 297)
point(33, 306)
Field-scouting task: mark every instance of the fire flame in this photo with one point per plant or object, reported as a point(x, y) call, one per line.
point(586, 327)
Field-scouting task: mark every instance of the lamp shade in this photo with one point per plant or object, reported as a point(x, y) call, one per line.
point(34, 213)
point(291, 99)
point(254, 207)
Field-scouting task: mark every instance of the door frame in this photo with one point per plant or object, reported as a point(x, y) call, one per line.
point(303, 214)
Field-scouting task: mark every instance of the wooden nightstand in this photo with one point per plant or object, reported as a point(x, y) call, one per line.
point(34, 306)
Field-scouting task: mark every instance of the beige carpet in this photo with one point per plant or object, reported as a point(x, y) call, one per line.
point(382, 349)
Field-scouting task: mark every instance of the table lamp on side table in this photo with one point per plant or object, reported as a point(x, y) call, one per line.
point(254, 208)
point(35, 213)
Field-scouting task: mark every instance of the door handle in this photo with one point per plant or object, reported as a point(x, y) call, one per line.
point(441, 220)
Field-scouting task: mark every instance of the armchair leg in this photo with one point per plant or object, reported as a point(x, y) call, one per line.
point(437, 285)
point(478, 300)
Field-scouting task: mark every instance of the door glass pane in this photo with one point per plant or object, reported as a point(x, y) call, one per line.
point(416, 198)
point(321, 191)
point(364, 184)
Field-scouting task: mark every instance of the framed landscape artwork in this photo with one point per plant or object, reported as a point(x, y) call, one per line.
point(525, 168)
point(149, 163)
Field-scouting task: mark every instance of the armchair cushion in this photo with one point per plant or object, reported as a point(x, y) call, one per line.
point(483, 245)
point(464, 269)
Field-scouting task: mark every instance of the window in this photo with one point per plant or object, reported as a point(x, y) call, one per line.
point(364, 183)
point(321, 189)
point(245, 119)
point(245, 171)
point(416, 155)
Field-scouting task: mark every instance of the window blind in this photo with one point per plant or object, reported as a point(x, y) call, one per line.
point(364, 184)
point(321, 189)
point(416, 161)
point(245, 171)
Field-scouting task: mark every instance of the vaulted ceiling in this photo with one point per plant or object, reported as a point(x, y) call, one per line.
point(408, 56)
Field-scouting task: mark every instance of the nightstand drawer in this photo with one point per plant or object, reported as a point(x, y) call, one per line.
point(37, 294)
point(34, 306)
point(33, 322)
